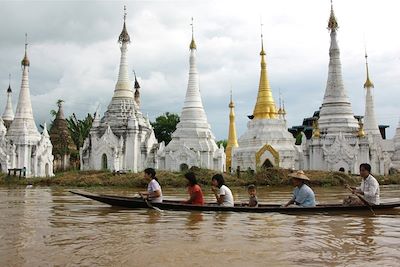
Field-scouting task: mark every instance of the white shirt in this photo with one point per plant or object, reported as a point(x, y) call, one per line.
point(228, 197)
point(151, 188)
point(370, 187)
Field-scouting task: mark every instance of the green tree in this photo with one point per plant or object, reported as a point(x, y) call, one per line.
point(164, 126)
point(79, 129)
point(223, 142)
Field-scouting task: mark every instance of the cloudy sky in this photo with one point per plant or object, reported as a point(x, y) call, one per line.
point(74, 54)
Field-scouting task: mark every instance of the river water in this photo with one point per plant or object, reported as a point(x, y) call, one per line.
point(51, 227)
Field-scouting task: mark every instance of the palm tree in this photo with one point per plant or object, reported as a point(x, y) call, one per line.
point(79, 129)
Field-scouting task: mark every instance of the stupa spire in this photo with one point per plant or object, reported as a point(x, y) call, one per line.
point(137, 90)
point(8, 114)
point(193, 106)
point(192, 43)
point(232, 138)
point(265, 105)
point(336, 114)
point(370, 125)
point(23, 123)
point(123, 87)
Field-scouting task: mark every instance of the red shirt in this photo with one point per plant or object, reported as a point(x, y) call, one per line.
point(197, 193)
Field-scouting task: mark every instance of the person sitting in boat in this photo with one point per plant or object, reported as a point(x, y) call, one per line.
point(222, 193)
point(369, 188)
point(303, 195)
point(153, 193)
point(194, 190)
point(253, 201)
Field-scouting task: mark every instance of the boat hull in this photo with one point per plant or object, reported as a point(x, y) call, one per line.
point(137, 202)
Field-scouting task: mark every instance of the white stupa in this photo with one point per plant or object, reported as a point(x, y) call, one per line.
point(25, 147)
point(339, 140)
point(123, 140)
point(193, 143)
point(267, 141)
point(8, 115)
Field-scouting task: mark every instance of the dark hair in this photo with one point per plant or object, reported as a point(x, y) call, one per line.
point(366, 166)
point(191, 177)
point(219, 178)
point(251, 187)
point(152, 173)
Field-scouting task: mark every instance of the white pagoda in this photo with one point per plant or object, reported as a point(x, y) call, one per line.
point(8, 115)
point(193, 143)
point(123, 139)
point(339, 140)
point(267, 141)
point(22, 146)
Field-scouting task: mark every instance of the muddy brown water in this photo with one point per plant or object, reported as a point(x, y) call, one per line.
point(51, 227)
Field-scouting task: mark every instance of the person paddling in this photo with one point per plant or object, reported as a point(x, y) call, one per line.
point(369, 187)
point(303, 195)
point(153, 193)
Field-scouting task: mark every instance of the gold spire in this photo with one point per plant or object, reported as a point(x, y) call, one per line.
point(124, 36)
point(332, 23)
point(368, 83)
point(192, 43)
point(232, 139)
point(25, 60)
point(265, 105)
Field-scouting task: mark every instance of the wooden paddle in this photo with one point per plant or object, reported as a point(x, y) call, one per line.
point(149, 204)
point(363, 200)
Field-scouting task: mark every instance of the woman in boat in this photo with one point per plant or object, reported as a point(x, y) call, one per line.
point(153, 193)
point(222, 193)
point(194, 190)
point(303, 195)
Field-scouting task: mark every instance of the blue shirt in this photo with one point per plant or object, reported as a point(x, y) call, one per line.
point(304, 196)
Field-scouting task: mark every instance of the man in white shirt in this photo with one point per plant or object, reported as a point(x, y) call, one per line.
point(369, 187)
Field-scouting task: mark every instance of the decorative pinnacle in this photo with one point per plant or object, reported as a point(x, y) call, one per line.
point(262, 53)
point(332, 23)
point(137, 86)
point(124, 36)
point(368, 83)
point(192, 43)
point(231, 104)
point(9, 83)
point(25, 60)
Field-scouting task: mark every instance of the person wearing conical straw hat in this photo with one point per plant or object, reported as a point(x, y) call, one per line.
point(303, 195)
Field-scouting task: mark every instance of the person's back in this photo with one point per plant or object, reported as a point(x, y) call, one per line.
point(228, 197)
point(197, 194)
point(370, 187)
point(152, 187)
point(304, 196)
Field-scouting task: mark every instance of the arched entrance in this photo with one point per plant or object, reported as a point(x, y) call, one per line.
point(104, 162)
point(267, 164)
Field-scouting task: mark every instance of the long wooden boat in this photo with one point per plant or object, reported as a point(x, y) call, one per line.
point(137, 202)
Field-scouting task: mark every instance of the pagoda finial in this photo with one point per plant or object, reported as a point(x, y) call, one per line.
point(231, 104)
point(368, 83)
point(124, 36)
point(192, 43)
point(25, 60)
point(9, 83)
point(332, 23)
point(262, 53)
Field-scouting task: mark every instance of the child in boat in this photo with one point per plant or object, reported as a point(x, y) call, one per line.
point(222, 193)
point(194, 190)
point(253, 201)
point(153, 193)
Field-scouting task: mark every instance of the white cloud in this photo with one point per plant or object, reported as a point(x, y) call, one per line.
point(75, 56)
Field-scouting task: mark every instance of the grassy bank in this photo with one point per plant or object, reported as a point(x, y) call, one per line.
point(271, 177)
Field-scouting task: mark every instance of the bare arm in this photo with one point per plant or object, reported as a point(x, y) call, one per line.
point(220, 198)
